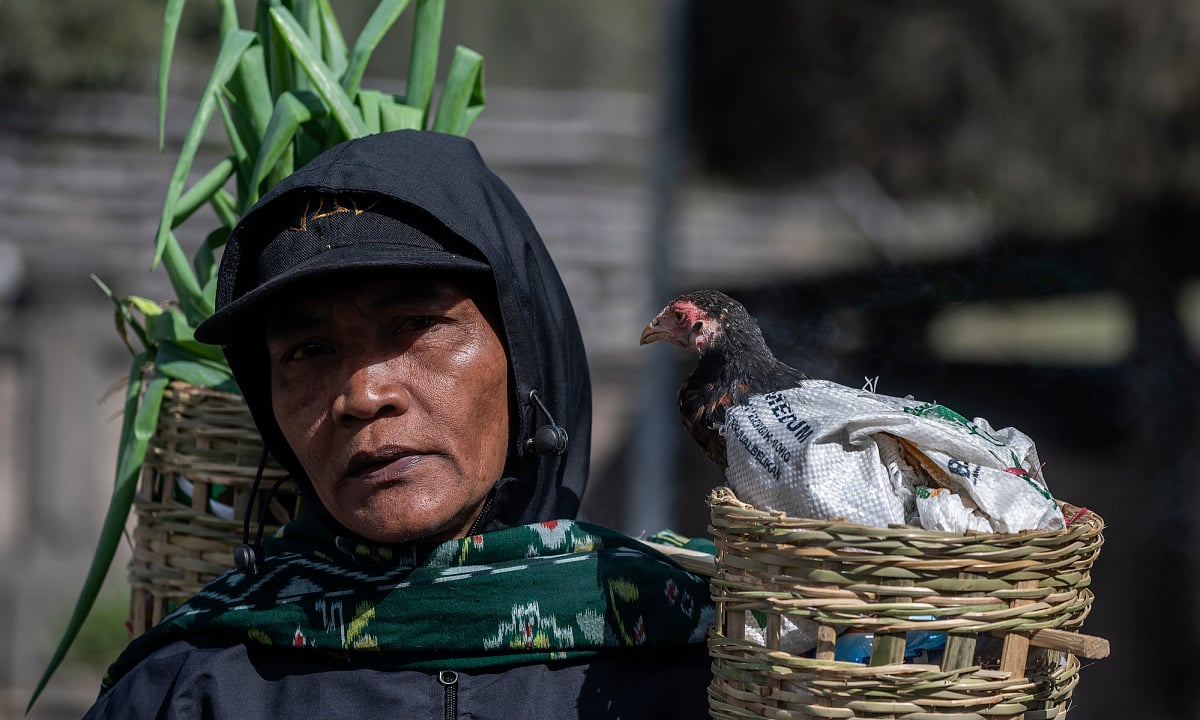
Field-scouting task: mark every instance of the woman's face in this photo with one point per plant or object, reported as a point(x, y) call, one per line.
point(393, 394)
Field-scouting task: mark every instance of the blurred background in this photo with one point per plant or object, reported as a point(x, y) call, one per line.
point(992, 205)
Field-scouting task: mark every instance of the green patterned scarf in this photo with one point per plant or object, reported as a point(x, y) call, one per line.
point(556, 590)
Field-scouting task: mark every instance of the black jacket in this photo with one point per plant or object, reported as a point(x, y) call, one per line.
point(444, 177)
point(186, 682)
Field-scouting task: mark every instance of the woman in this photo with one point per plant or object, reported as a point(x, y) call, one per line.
point(409, 354)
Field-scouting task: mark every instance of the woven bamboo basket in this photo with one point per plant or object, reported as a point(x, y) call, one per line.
point(1010, 604)
point(186, 532)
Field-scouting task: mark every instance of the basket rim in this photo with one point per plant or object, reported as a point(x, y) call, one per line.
point(723, 501)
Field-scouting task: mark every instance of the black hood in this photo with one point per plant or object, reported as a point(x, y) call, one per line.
point(442, 178)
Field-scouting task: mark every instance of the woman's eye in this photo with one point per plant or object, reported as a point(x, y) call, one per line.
point(417, 322)
point(305, 350)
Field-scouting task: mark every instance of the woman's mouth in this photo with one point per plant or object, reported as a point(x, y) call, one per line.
point(385, 466)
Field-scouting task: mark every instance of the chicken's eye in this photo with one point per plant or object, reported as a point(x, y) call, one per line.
point(680, 317)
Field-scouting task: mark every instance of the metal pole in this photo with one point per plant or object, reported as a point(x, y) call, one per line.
point(651, 500)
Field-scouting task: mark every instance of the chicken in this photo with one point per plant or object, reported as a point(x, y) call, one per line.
point(735, 362)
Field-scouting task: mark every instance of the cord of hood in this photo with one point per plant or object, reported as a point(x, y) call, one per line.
point(246, 557)
point(551, 438)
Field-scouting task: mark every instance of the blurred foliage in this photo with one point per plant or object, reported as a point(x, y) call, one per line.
point(47, 47)
point(82, 44)
point(104, 634)
point(1011, 99)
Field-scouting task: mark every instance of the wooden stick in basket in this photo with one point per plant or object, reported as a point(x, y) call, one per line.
point(1016, 645)
point(1091, 647)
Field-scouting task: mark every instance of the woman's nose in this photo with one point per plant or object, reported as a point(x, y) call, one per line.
point(372, 390)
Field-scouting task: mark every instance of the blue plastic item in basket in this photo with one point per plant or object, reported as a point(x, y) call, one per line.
point(919, 646)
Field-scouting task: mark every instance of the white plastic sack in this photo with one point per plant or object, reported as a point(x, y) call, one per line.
point(823, 450)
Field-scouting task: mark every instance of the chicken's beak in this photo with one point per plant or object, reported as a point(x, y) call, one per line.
point(653, 333)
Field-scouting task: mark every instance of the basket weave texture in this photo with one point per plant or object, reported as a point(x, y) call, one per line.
point(993, 594)
point(204, 438)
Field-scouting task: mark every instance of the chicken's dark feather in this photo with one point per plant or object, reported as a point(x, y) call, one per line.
point(739, 364)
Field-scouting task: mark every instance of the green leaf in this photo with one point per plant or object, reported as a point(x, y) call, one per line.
point(278, 61)
point(309, 15)
point(203, 190)
point(229, 21)
point(244, 136)
point(204, 262)
point(463, 99)
point(333, 45)
point(291, 110)
point(183, 281)
point(312, 139)
point(341, 107)
point(368, 101)
point(223, 204)
point(136, 430)
point(171, 19)
point(422, 63)
point(232, 47)
point(180, 361)
point(123, 318)
point(236, 128)
point(385, 15)
point(251, 88)
point(306, 17)
point(171, 328)
point(394, 114)
point(145, 306)
point(168, 324)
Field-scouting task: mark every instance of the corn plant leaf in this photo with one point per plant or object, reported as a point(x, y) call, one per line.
point(183, 281)
point(204, 188)
point(241, 131)
point(205, 261)
point(232, 47)
point(136, 429)
point(283, 168)
point(385, 15)
point(341, 108)
point(228, 16)
point(251, 88)
point(368, 103)
point(463, 98)
point(223, 205)
point(147, 307)
point(422, 62)
point(278, 61)
point(123, 318)
point(236, 128)
point(171, 328)
point(309, 15)
point(120, 322)
point(306, 18)
point(171, 17)
point(168, 324)
point(333, 44)
point(311, 141)
point(180, 361)
point(394, 114)
point(291, 110)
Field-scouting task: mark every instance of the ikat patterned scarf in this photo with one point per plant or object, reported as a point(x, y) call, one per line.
point(558, 590)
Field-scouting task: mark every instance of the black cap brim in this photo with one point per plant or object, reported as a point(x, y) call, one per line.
point(232, 320)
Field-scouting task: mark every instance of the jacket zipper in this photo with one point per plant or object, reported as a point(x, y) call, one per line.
point(449, 681)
